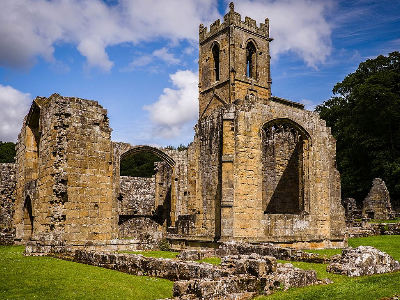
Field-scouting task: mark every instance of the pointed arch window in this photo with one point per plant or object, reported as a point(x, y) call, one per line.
point(251, 60)
point(215, 54)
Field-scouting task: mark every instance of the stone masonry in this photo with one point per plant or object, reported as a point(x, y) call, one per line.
point(377, 203)
point(64, 174)
point(7, 199)
point(261, 169)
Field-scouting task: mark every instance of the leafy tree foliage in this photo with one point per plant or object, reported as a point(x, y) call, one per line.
point(7, 152)
point(364, 116)
point(139, 164)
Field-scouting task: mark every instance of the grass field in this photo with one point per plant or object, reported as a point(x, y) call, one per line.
point(49, 278)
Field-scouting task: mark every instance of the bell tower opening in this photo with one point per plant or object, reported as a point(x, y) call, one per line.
point(215, 53)
point(251, 60)
point(234, 61)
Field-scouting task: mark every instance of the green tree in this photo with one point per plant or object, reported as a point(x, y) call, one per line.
point(364, 115)
point(139, 164)
point(7, 152)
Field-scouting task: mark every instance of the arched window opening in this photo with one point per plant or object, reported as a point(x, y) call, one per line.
point(28, 219)
point(144, 195)
point(285, 152)
point(32, 142)
point(215, 53)
point(251, 60)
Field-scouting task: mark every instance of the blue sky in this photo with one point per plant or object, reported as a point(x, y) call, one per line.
point(138, 58)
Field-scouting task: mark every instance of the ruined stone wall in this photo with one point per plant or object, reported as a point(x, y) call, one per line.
point(66, 170)
point(321, 199)
point(230, 160)
point(181, 217)
point(377, 203)
point(144, 229)
point(137, 211)
point(136, 196)
point(204, 176)
point(7, 198)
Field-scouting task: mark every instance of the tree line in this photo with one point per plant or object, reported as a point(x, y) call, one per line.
point(364, 115)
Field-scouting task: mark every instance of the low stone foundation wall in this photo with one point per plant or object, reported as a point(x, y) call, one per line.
point(240, 275)
point(136, 264)
point(234, 248)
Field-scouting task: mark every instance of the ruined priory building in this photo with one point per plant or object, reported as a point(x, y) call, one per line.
point(260, 169)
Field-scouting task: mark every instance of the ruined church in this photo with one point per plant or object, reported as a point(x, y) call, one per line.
point(260, 169)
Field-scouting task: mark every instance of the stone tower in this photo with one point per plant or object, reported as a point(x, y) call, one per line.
point(261, 168)
point(234, 61)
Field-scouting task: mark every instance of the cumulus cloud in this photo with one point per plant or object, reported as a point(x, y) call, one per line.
point(15, 106)
point(161, 54)
point(176, 108)
point(298, 26)
point(32, 28)
point(29, 29)
point(166, 56)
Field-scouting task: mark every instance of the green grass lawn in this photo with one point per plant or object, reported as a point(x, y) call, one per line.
point(365, 288)
point(211, 260)
point(396, 220)
point(386, 243)
point(49, 278)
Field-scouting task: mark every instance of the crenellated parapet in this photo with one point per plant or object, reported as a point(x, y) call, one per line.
point(233, 18)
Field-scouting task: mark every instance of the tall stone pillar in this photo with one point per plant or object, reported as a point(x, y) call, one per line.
point(228, 151)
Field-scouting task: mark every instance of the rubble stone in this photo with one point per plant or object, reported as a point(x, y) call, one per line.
point(7, 198)
point(243, 276)
point(363, 260)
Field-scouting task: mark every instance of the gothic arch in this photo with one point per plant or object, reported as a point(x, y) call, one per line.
point(28, 218)
point(215, 54)
point(285, 165)
point(161, 154)
point(251, 59)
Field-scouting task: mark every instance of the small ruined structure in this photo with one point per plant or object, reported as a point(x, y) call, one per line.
point(351, 211)
point(377, 203)
point(260, 169)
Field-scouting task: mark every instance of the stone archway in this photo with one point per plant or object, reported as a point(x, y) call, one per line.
point(28, 218)
point(145, 202)
point(144, 148)
point(285, 147)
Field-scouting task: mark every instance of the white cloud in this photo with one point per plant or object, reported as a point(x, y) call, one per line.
point(166, 56)
point(29, 29)
point(177, 108)
point(161, 54)
point(15, 106)
point(309, 105)
point(32, 28)
point(298, 26)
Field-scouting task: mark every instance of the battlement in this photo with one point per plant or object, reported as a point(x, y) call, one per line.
point(234, 18)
